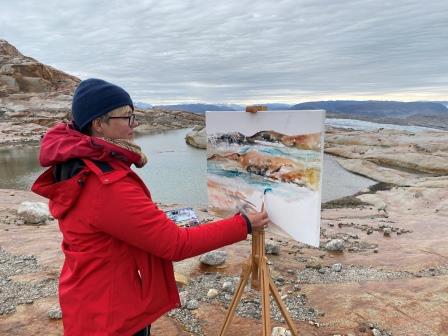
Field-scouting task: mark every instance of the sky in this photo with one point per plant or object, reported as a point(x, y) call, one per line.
point(241, 51)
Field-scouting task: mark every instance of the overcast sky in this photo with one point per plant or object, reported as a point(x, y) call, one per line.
point(241, 51)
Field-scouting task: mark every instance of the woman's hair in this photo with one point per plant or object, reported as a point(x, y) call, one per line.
point(105, 117)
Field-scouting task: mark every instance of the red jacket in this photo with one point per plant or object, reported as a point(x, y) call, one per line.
point(117, 275)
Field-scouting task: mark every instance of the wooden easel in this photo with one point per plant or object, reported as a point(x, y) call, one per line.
point(261, 280)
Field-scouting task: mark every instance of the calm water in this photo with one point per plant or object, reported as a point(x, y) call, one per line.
point(176, 172)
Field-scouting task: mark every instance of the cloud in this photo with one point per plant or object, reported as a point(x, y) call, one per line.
point(241, 51)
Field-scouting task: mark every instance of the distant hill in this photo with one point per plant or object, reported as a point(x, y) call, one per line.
point(143, 106)
point(196, 108)
point(374, 108)
point(202, 108)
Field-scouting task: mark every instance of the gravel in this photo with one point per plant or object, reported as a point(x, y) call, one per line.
point(249, 306)
point(13, 293)
point(353, 273)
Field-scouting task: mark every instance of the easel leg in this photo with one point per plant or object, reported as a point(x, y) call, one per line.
point(255, 283)
point(282, 307)
point(245, 274)
point(266, 308)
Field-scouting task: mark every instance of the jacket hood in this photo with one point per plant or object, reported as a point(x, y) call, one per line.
point(62, 143)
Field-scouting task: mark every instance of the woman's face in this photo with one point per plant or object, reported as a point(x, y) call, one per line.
point(119, 124)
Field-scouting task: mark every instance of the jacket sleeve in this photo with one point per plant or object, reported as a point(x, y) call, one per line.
point(126, 212)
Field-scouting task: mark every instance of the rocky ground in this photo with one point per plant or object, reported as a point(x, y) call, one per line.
point(382, 268)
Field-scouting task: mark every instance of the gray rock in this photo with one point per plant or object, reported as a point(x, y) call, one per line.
point(34, 212)
point(55, 313)
point(183, 298)
point(313, 262)
point(387, 231)
point(214, 258)
point(336, 267)
point(335, 245)
point(376, 332)
point(228, 287)
point(192, 304)
point(271, 247)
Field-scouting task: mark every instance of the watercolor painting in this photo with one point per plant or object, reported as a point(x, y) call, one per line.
point(278, 151)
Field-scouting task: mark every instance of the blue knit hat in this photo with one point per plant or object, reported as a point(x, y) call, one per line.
point(94, 98)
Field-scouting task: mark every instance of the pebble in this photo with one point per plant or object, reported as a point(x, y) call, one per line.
point(192, 304)
point(387, 231)
point(227, 286)
point(212, 293)
point(336, 267)
point(55, 313)
point(214, 258)
point(376, 332)
point(280, 331)
point(183, 298)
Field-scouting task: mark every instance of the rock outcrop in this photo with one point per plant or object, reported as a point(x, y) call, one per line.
point(35, 96)
point(402, 158)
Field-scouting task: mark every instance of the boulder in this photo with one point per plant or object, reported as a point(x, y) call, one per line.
point(271, 247)
point(34, 212)
point(197, 137)
point(335, 245)
point(313, 262)
point(373, 199)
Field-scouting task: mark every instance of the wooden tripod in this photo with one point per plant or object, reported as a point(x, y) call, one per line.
point(258, 267)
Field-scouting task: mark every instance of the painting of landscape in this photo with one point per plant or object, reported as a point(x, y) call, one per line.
point(247, 168)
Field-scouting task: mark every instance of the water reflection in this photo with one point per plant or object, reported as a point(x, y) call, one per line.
point(19, 167)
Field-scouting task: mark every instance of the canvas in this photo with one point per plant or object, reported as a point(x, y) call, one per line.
point(271, 159)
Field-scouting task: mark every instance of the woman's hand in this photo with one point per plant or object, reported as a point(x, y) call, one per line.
point(258, 220)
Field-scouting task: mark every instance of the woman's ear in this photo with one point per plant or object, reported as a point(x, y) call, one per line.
point(97, 127)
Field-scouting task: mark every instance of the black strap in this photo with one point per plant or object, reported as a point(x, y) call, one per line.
point(70, 168)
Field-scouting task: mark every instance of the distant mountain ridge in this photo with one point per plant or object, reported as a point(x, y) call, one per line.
point(374, 107)
point(202, 108)
point(427, 114)
point(371, 108)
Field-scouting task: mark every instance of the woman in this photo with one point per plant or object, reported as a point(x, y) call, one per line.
point(117, 276)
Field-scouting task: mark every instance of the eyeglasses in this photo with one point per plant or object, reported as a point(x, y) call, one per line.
point(131, 119)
